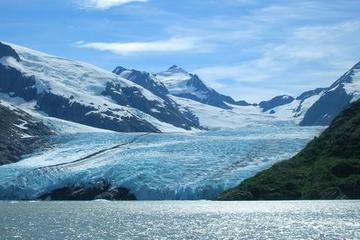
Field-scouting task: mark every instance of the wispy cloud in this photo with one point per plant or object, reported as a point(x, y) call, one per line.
point(104, 4)
point(308, 57)
point(159, 46)
point(275, 45)
point(248, 72)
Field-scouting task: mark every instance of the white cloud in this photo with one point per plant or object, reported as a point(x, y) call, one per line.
point(308, 57)
point(160, 46)
point(249, 72)
point(104, 4)
point(291, 47)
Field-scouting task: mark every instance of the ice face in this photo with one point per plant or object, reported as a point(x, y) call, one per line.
point(194, 165)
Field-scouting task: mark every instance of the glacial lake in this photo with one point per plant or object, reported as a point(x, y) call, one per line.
point(180, 220)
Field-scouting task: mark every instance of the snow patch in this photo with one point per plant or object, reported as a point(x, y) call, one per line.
point(353, 88)
point(22, 125)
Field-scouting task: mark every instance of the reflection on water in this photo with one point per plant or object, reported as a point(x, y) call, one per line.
point(180, 220)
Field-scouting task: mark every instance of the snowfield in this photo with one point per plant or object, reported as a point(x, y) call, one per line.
point(176, 79)
point(188, 165)
point(217, 118)
point(83, 83)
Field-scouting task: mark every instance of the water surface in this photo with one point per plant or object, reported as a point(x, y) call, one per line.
point(180, 220)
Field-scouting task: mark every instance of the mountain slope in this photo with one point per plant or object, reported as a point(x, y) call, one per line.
point(327, 168)
point(144, 79)
point(180, 83)
point(83, 93)
point(149, 82)
point(312, 108)
point(275, 102)
point(320, 106)
point(334, 99)
point(20, 133)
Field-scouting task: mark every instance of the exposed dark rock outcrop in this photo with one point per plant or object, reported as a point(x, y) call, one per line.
point(65, 108)
point(144, 79)
point(18, 85)
point(323, 111)
point(14, 82)
point(326, 103)
point(20, 134)
point(212, 97)
point(164, 110)
point(91, 191)
point(332, 101)
point(275, 102)
point(194, 88)
point(310, 93)
point(7, 51)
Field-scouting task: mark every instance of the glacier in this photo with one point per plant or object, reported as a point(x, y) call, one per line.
point(154, 166)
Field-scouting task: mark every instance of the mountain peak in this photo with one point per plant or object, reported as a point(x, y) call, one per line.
point(119, 69)
point(177, 69)
point(7, 51)
point(173, 66)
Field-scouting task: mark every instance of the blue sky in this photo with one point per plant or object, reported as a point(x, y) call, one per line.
point(249, 49)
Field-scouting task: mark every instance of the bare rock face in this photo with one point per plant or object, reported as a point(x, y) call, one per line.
point(20, 134)
point(165, 110)
point(169, 82)
point(275, 102)
point(67, 109)
point(91, 191)
point(6, 50)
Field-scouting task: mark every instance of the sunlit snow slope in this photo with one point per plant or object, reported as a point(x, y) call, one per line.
point(83, 93)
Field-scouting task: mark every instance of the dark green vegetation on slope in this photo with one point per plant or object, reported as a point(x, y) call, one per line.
point(327, 168)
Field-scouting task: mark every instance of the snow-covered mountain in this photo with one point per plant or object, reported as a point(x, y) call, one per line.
point(82, 93)
point(144, 79)
point(320, 106)
point(313, 107)
point(276, 101)
point(332, 100)
point(133, 101)
point(65, 94)
point(187, 85)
